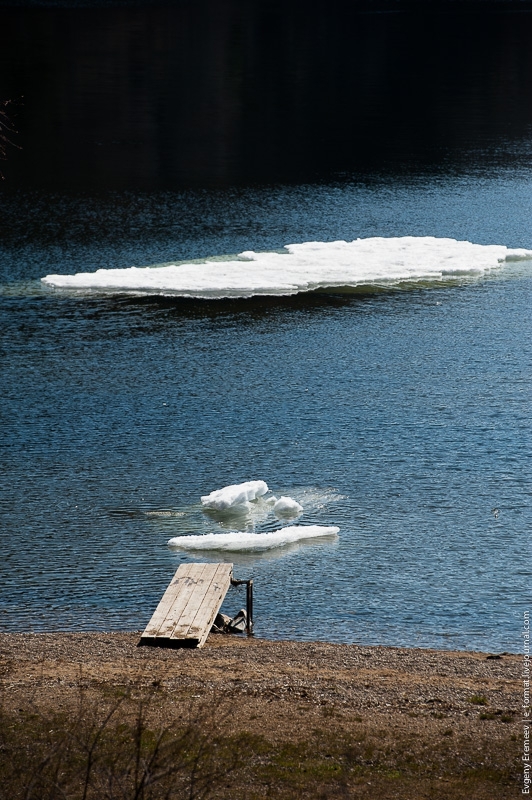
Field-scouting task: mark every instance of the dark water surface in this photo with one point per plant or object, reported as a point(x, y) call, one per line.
point(159, 134)
point(223, 93)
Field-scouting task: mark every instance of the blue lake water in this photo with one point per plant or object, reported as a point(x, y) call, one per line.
point(399, 414)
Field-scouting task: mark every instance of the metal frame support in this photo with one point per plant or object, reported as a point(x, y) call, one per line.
point(249, 602)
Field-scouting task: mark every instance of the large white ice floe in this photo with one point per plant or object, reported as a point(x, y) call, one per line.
point(302, 268)
point(238, 494)
point(252, 541)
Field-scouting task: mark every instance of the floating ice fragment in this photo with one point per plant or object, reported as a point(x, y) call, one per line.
point(303, 268)
point(286, 507)
point(251, 541)
point(237, 494)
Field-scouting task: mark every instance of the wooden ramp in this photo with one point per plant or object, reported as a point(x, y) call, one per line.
point(187, 609)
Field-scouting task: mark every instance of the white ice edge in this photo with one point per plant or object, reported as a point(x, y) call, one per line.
point(302, 268)
point(252, 541)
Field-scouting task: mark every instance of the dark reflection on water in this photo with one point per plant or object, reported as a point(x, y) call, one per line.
point(213, 94)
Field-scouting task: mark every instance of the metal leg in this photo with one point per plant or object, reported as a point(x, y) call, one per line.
point(249, 603)
point(249, 607)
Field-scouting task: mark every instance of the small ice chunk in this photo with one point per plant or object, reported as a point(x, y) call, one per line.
point(237, 494)
point(239, 541)
point(286, 507)
point(271, 501)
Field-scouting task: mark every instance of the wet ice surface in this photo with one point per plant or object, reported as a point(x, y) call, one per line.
point(240, 494)
point(287, 507)
point(303, 267)
point(241, 541)
point(249, 502)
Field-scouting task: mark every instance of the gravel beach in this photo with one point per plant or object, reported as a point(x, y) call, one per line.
point(457, 713)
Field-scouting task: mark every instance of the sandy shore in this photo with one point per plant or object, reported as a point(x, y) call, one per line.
point(461, 704)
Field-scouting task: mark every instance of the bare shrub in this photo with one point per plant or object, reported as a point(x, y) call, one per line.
point(109, 750)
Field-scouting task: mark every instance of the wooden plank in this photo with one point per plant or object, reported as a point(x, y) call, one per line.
point(219, 585)
point(168, 599)
point(165, 603)
point(189, 605)
point(213, 600)
point(187, 592)
point(210, 604)
point(187, 616)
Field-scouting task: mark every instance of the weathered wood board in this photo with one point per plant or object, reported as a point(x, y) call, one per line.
point(188, 607)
